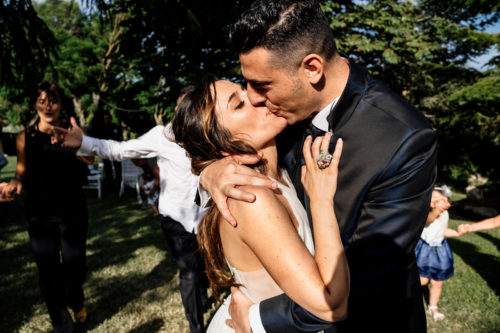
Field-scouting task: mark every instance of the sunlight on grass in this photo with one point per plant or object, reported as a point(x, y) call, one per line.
point(470, 299)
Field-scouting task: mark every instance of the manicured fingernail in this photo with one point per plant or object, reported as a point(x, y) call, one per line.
point(339, 140)
point(275, 185)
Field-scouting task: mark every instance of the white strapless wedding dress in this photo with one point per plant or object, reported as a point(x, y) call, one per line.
point(259, 285)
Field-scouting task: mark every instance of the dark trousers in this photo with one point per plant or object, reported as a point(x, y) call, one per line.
point(113, 183)
point(59, 247)
point(193, 279)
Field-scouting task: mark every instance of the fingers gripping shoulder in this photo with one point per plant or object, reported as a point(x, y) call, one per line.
point(264, 198)
point(265, 206)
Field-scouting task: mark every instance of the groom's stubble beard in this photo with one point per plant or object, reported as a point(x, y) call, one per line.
point(300, 111)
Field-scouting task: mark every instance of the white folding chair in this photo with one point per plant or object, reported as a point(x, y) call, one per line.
point(131, 176)
point(94, 181)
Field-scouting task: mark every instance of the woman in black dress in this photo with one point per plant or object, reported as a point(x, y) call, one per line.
point(56, 210)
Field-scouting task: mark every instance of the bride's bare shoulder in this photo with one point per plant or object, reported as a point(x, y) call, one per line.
point(263, 197)
point(266, 204)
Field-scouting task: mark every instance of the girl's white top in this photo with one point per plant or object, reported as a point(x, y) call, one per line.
point(433, 233)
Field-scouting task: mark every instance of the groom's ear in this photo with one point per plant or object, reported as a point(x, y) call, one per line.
point(312, 67)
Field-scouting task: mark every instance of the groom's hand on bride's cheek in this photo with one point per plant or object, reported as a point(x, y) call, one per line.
point(238, 310)
point(221, 178)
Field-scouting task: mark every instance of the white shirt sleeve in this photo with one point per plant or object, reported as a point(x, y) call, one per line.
point(145, 146)
point(254, 317)
point(204, 195)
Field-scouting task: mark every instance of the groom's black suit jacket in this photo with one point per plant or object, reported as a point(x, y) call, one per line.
point(386, 174)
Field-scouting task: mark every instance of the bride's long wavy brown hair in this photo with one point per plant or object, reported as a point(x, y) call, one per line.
point(198, 131)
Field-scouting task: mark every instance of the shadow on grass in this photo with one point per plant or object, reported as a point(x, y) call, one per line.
point(482, 263)
point(115, 234)
point(18, 273)
point(151, 326)
point(115, 293)
point(117, 229)
point(494, 240)
point(455, 215)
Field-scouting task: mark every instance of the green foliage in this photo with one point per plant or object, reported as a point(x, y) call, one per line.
point(420, 48)
point(81, 44)
point(484, 93)
point(10, 111)
point(131, 58)
point(171, 44)
point(26, 44)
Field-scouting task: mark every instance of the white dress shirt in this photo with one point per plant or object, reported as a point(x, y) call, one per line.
point(320, 119)
point(178, 184)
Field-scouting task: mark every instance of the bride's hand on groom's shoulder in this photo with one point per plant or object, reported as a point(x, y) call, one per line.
point(320, 184)
point(222, 177)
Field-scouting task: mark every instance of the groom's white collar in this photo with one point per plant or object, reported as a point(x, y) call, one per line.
point(320, 120)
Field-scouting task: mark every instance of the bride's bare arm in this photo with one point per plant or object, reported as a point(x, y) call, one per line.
point(320, 284)
point(321, 186)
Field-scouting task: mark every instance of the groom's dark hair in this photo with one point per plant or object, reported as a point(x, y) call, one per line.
point(290, 29)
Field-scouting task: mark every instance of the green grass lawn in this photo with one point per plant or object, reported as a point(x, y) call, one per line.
point(132, 282)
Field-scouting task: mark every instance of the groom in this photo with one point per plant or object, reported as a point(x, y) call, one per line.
point(388, 166)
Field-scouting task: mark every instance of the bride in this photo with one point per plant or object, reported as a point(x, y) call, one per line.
point(271, 251)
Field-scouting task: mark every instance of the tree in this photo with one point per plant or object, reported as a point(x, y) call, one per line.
point(170, 44)
point(420, 48)
point(26, 45)
point(132, 57)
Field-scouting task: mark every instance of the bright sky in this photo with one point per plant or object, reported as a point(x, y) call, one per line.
point(480, 61)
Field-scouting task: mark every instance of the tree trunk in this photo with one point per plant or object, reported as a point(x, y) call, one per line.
point(125, 130)
point(77, 103)
point(158, 115)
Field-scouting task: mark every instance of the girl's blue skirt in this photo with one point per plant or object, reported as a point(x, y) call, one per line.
point(434, 262)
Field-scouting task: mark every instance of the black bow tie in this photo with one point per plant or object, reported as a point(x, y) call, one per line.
point(314, 131)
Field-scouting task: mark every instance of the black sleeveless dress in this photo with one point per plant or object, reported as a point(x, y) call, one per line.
point(54, 178)
point(56, 214)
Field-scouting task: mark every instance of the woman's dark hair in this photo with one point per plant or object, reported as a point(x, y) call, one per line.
point(294, 28)
point(186, 90)
point(197, 130)
point(51, 89)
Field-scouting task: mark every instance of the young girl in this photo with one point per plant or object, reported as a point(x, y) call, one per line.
point(150, 187)
point(434, 256)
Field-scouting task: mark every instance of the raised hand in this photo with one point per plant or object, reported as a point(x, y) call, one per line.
point(320, 184)
point(221, 178)
point(70, 138)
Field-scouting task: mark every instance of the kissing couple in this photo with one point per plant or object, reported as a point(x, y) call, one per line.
point(263, 155)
